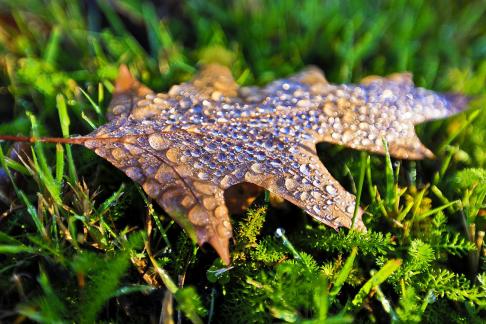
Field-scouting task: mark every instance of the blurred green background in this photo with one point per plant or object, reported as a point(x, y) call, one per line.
point(75, 256)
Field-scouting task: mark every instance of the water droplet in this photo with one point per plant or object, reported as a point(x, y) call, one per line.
point(209, 203)
point(134, 149)
point(204, 188)
point(387, 94)
point(172, 154)
point(118, 154)
point(211, 147)
point(268, 145)
point(277, 163)
point(221, 157)
point(291, 184)
point(165, 174)
point(160, 102)
point(198, 216)
point(143, 103)
point(221, 212)
point(257, 167)
point(363, 126)
point(331, 189)
point(304, 169)
point(226, 181)
point(350, 209)
point(347, 136)
point(187, 201)
point(241, 157)
point(315, 194)
point(134, 173)
point(304, 103)
point(260, 156)
point(152, 188)
point(365, 142)
point(157, 142)
point(203, 176)
point(196, 152)
point(223, 230)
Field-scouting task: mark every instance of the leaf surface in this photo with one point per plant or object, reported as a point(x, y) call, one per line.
point(187, 146)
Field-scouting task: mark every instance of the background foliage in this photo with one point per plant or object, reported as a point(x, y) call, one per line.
point(77, 242)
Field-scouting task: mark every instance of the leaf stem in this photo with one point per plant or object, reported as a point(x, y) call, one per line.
point(61, 140)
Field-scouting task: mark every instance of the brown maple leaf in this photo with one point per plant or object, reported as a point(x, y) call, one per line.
point(187, 146)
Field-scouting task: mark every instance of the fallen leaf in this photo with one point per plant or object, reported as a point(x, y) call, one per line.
point(187, 146)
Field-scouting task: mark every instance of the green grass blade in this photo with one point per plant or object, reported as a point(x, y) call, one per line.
point(126, 290)
point(390, 181)
point(65, 122)
point(113, 199)
point(280, 233)
point(14, 165)
point(88, 120)
point(30, 208)
point(372, 189)
point(344, 273)
point(436, 210)
point(155, 217)
point(362, 171)
point(46, 179)
point(101, 94)
point(59, 164)
point(63, 115)
point(454, 135)
point(52, 49)
point(405, 211)
point(41, 166)
point(5, 238)
point(112, 17)
point(379, 277)
point(14, 249)
point(156, 39)
point(93, 104)
point(39, 147)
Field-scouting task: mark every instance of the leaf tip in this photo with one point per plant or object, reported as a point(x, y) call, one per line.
point(124, 81)
point(457, 102)
point(221, 245)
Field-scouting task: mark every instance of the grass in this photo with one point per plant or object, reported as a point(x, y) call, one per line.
point(80, 242)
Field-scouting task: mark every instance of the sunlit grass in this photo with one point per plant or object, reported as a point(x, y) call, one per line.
point(79, 241)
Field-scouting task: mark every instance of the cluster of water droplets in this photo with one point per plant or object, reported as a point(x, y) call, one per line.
point(412, 103)
point(253, 137)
